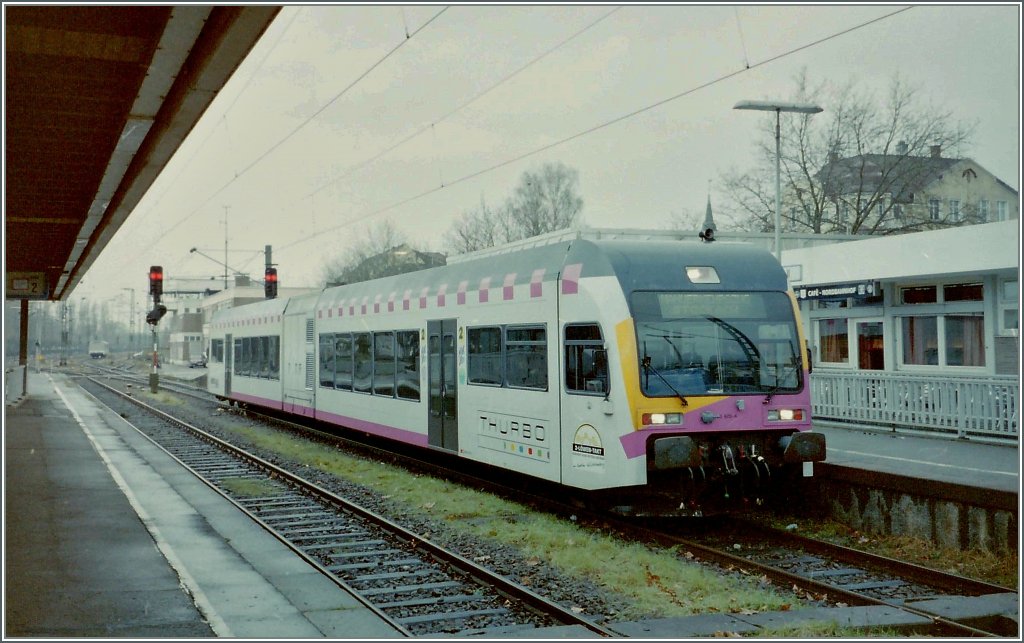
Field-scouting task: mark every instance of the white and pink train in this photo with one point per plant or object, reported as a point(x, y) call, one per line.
point(661, 376)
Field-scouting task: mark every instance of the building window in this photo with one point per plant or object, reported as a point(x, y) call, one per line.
point(963, 292)
point(919, 295)
point(983, 210)
point(1008, 307)
point(920, 340)
point(1000, 210)
point(870, 345)
point(965, 340)
point(933, 209)
point(833, 338)
point(954, 209)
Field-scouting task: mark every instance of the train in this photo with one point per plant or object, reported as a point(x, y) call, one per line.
point(649, 376)
point(98, 348)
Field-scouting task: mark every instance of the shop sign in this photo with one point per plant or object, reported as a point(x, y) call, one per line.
point(856, 290)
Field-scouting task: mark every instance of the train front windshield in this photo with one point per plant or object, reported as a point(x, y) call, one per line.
point(724, 343)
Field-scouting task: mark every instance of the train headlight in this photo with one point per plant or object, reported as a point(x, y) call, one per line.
point(662, 418)
point(785, 415)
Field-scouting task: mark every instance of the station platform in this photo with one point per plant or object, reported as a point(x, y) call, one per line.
point(107, 536)
point(985, 464)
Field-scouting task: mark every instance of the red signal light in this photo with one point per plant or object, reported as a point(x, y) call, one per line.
point(156, 280)
point(270, 283)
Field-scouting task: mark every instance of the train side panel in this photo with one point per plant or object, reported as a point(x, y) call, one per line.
point(508, 378)
point(595, 409)
point(297, 357)
point(245, 354)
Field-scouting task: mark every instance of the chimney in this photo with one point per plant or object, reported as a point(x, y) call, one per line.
point(936, 151)
point(901, 148)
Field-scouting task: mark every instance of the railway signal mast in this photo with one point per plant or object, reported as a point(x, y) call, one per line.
point(156, 288)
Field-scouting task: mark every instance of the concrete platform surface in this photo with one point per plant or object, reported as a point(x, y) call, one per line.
point(941, 458)
point(107, 535)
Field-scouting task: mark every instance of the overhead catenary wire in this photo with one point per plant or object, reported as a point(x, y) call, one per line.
point(295, 130)
point(590, 130)
point(560, 44)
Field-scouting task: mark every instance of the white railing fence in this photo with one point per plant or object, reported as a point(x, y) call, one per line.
point(962, 404)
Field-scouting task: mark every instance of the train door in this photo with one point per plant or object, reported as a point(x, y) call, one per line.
point(229, 361)
point(443, 421)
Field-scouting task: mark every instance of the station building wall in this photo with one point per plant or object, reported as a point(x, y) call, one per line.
point(937, 302)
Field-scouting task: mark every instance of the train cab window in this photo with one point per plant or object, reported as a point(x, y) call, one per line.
point(327, 360)
point(526, 353)
point(586, 360)
point(362, 360)
point(343, 361)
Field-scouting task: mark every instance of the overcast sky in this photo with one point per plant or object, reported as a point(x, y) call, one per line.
point(346, 116)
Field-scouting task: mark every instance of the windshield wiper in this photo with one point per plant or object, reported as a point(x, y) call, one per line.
point(778, 384)
point(648, 367)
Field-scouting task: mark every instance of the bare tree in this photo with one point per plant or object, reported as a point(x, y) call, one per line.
point(858, 167)
point(544, 201)
point(481, 227)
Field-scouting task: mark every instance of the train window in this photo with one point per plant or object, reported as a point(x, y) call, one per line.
point(586, 360)
point(384, 364)
point(246, 355)
point(362, 359)
point(260, 367)
point(485, 356)
point(407, 353)
point(217, 350)
point(709, 343)
point(238, 356)
point(327, 360)
point(274, 353)
point(343, 361)
point(526, 357)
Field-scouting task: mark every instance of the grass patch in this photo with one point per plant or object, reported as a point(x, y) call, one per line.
point(160, 397)
point(824, 629)
point(658, 582)
point(247, 487)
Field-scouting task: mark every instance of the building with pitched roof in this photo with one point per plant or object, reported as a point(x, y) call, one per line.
point(889, 193)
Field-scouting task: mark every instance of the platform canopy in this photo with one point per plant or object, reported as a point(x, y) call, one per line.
point(97, 99)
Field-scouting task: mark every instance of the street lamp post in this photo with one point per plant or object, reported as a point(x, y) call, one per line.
point(778, 107)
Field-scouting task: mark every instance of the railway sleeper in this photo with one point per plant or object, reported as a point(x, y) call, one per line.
point(432, 600)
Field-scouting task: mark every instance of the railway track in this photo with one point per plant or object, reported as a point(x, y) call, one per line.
point(817, 569)
point(421, 588)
